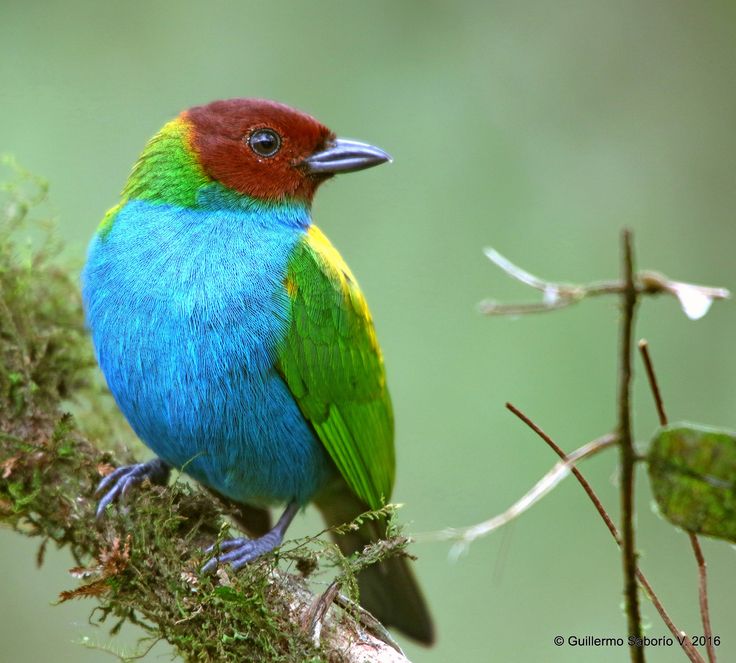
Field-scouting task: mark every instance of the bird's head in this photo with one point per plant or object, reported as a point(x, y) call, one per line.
point(256, 148)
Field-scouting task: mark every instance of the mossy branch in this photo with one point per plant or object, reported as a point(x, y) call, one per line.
point(141, 563)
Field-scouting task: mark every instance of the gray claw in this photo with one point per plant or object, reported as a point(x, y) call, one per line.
point(238, 552)
point(226, 545)
point(117, 484)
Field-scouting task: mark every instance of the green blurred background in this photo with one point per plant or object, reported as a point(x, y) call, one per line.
point(539, 128)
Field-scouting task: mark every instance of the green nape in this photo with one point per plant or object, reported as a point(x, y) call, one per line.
point(166, 172)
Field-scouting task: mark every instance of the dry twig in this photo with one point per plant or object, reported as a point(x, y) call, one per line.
point(626, 446)
point(694, 543)
point(679, 635)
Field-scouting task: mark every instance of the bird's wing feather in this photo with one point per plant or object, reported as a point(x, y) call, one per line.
point(331, 361)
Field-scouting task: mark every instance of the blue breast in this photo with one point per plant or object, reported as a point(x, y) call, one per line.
point(186, 309)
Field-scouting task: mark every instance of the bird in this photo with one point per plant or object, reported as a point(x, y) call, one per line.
point(237, 342)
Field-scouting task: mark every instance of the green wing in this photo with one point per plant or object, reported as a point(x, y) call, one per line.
point(332, 363)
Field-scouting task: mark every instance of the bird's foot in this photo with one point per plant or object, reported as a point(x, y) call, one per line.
point(117, 484)
point(238, 552)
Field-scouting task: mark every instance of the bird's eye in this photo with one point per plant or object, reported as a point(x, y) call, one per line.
point(264, 142)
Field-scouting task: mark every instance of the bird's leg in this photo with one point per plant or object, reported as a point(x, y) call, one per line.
point(238, 552)
point(116, 484)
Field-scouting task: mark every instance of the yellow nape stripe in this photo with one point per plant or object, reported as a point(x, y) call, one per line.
point(108, 219)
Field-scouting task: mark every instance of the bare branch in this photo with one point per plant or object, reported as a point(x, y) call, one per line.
point(626, 445)
point(576, 472)
point(695, 544)
point(703, 596)
point(681, 636)
point(555, 295)
point(653, 384)
point(464, 536)
point(695, 300)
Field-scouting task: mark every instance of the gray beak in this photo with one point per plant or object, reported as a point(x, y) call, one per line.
point(344, 156)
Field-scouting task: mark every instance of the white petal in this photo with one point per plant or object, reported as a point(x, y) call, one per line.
point(695, 303)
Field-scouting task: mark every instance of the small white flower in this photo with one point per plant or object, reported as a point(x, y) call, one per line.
point(694, 300)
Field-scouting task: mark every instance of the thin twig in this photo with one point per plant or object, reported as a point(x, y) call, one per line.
point(491, 307)
point(679, 635)
point(464, 536)
point(576, 472)
point(653, 384)
point(682, 638)
point(699, 558)
point(695, 300)
point(703, 596)
point(628, 453)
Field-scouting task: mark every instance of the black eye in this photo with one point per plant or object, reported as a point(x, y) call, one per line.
point(264, 142)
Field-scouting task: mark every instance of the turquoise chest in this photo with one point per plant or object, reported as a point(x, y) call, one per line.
point(187, 309)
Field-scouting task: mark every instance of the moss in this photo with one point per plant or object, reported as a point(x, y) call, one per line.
point(141, 562)
point(44, 356)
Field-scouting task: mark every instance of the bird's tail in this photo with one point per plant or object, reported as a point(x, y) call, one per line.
point(388, 590)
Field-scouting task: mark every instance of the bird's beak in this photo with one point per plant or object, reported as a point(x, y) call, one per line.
point(344, 156)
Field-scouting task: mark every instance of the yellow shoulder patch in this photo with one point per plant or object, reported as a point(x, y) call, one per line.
point(338, 269)
point(324, 248)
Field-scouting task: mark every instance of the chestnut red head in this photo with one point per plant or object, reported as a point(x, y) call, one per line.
point(269, 151)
